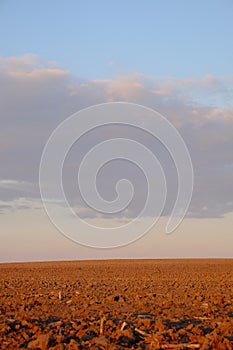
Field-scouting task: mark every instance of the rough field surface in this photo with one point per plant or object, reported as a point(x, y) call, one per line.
point(136, 304)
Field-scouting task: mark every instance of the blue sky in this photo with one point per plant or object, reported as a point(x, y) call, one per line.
point(101, 39)
point(58, 57)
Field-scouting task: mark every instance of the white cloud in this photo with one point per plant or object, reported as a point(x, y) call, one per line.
point(38, 95)
point(26, 63)
point(14, 184)
point(20, 203)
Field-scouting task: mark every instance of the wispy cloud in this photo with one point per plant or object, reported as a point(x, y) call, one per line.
point(15, 184)
point(20, 203)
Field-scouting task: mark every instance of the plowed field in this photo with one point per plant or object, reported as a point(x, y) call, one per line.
point(117, 304)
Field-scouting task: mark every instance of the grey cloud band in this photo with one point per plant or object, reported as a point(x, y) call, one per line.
point(71, 130)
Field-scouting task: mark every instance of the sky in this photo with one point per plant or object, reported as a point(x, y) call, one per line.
point(59, 57)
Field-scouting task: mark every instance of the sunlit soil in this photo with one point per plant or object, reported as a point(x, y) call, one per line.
point(122, 304)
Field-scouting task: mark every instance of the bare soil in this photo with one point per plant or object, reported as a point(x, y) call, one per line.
point(121, 304)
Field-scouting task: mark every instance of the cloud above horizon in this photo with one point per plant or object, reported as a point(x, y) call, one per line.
point(37, 95)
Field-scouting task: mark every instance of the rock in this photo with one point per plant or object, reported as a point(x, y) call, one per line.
point(41, 342)
point(100, 343)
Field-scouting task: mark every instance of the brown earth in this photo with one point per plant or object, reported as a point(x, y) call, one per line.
point(122, 304)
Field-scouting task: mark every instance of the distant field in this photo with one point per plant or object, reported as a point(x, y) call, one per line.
point(117, 304)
